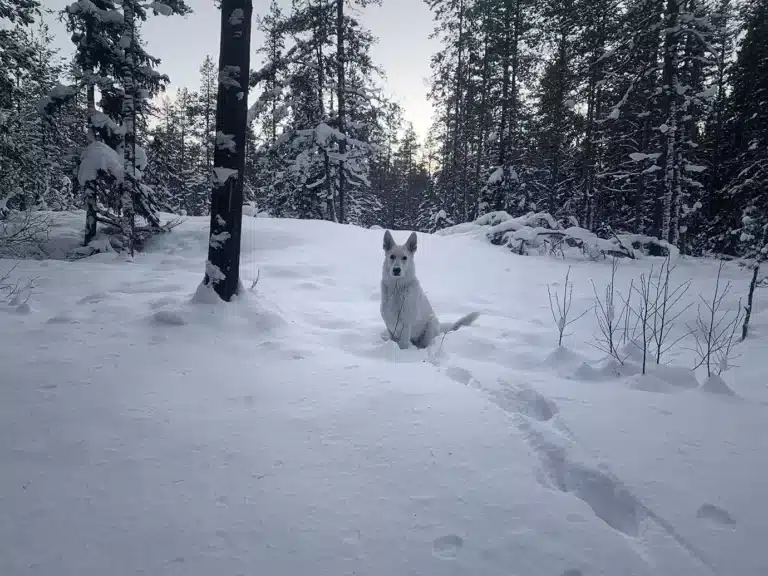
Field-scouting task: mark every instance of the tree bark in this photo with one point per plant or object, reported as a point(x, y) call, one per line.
point(320, 41)
point(499, 201)
point(89, 194)
point(457, 92)
point(128, 112)
point(182, 153)
point(593, 114)
point(223, 266)
point(482, 137)
point(557, 145)
point(750, 297)
point(341, 110)
point(715, 178)
point(670, 156)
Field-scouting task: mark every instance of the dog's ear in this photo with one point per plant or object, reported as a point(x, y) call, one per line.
point(389, 242)
point(411, 243)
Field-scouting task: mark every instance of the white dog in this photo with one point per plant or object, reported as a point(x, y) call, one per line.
point(405, 308)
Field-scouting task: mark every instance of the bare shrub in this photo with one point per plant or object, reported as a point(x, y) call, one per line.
point(14, 292)
point(644, 312)
point(715, 329)
point(562, 310)
point(647, 318)
point(605, 311)
point(22, 231)
point(666, 308)
point(255, 283)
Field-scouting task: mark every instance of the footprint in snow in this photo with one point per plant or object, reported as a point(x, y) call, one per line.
point(447, 547)
point(715, 514)
point(94, 298)
point(168, 318)
point(63, 318)
point(460, 375)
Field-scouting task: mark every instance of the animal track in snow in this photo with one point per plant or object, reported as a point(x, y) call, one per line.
point(63, 318)
point(609, 500)
point(447, 547)
point(534, 405)
point(524, 401)
point(715, 514)
point(94, 298)
point(461, 375)
point(168, 318)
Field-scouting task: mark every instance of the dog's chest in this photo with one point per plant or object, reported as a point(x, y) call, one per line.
point(401, 304)
point(394, 300)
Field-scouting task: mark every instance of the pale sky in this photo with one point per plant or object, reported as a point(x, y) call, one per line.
point(401, 26)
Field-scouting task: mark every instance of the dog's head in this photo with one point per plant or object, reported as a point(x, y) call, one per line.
point(398, 260)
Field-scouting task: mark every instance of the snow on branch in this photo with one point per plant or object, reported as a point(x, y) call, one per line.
point(540, 231)
point(96, 158)
point(59, 96)
point(89, 8)
point(269, 70)
point(160, 8)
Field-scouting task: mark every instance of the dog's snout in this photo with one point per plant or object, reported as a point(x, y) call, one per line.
point(396, 271)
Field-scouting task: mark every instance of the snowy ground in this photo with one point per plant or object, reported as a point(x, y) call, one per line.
point(144, 433)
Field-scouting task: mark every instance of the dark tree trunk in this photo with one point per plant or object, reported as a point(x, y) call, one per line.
point(182, 155)
point(669, 157)
point(750, 298)
point(640, 188)
point(499, 202)
point(327, 185)
point(223, 266)
point(593, 115)
point(458, 91)
point(715, 178)
point(341, 111)
point(481, 152)
point(89, 194)
point(514, 56)
point(128, 112)
point(559, 115)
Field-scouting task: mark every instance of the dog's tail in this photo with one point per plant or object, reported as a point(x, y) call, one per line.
point(446, 327)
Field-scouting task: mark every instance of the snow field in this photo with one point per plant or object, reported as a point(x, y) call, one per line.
point(147, 428)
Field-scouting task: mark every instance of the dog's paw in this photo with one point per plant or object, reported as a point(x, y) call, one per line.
point(385, 335)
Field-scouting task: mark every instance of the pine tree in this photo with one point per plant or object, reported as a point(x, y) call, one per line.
point(30, 147)
point(206, 112)
point(742, 224)
point(318, 160)
point(111, 55)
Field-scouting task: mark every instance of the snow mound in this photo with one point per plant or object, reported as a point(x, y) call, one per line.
point(715, 384)
point(540, 232)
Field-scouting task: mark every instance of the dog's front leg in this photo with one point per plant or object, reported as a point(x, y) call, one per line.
point(404, 341)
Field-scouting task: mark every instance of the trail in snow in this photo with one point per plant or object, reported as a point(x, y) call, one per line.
point(143, 432)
